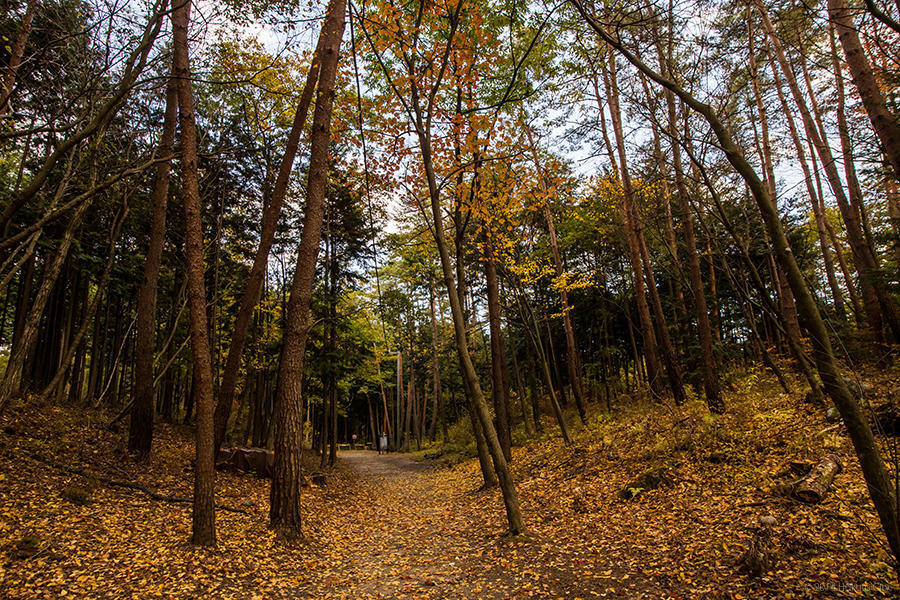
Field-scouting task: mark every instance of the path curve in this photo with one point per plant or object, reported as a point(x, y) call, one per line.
point(367, 463)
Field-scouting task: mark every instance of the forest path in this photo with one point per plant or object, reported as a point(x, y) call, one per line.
point(401, 528)
point(401, 533)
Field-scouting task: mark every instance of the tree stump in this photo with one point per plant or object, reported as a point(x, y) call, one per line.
point(649, 480)
point(859, 389)
point(760, 555)
point(813, 487)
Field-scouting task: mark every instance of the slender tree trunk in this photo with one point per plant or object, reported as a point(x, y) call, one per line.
point(407, 410)
point(25, 343)
point(878, 302)
point(435, 364)
point(484, 456)
point(785, 297)
point(631, 230)
point(467, 367)
point(74, 345)
point(552, 361)
point(140, 432)
point(710, 375)
point(854, 191)
point(15, 57)
point(398, 402)
point(333, 425)
point(572, 362)
point(499, 385)
point(284, 513)
point(672, 370)
point(271, 214)
point(814, 194)
point(534, 395)
point(520, 391)
point(527, 314)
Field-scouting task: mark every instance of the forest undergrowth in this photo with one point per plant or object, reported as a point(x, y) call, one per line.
point(69, 528)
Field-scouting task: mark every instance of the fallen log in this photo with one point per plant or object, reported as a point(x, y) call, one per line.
point(814, 485)
point(129, 485)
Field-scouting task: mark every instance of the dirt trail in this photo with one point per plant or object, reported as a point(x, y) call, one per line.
point(414, 530)
point(401, 539)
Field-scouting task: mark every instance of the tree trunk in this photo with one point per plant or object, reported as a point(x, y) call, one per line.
point(520, 391)
point(884, 122)
point(674, 373)
point(407, 410)
point(631, 232)
point(75, 343)
point(25, 344)
point(710, 375)
point(204, 528)
point(499, 384)
point(484, 456)
point(15, 57)
point(284, 513)
point(814, 195)
point(534, 395)
point(535, 334)
point(140, 432)
point(435, 365)
point(878, 302)
point(785, 297)
point(467, 367)
point(572, 363)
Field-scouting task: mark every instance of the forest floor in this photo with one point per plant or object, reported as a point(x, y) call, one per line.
point(391, 527)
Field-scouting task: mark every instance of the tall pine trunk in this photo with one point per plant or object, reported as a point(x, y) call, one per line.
point(631, 232)
point(499, 385)
point(284, 511)
point(710, 374)
point(885, 124)
point(573, 365)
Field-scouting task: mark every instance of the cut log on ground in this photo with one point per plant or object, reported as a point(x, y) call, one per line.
point(813, 487)
point(258, 461)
